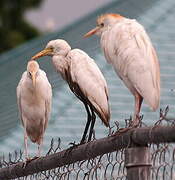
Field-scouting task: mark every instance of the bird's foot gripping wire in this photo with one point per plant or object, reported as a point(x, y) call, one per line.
point(136, 121)
point(73, 145)
point(29, 160)
point(122, 130)
point(131, 124)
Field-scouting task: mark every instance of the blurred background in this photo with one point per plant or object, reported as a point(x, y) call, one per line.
point(25, 28)
point(21, 21)
point(57, 14)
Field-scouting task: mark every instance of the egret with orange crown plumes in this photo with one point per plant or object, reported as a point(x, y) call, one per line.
point(128, 48)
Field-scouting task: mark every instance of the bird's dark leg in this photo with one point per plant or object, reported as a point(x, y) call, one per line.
point(92, 124)
point(87, 123)
point(138, 103)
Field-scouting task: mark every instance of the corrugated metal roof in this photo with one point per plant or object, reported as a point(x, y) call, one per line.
point(68, 114)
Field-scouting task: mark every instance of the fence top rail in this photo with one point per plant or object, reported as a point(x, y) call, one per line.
point(140, 136)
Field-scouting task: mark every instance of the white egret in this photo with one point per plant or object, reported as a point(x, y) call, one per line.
point(34, 96)
point(84, 79)
point(128, 48)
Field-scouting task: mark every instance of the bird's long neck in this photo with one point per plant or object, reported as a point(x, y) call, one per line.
point(61, 64)
point(33, 91)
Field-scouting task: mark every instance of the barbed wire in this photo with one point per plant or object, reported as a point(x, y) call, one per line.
point(107, 166)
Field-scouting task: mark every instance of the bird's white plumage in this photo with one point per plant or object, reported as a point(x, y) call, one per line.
point(75, 66)
point(84, 79)
point(34, 104)
point(87, 75)
point(128, 48)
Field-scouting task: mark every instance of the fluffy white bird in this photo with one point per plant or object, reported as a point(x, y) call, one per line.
point(84, 78)
point(34, 96)
point(128, 48)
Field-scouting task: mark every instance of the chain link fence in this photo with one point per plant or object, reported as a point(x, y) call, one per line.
point(107, 166)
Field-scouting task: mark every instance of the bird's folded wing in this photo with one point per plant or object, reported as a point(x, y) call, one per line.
point(135, 60)
point(143, 71)
point(48, 97)
point(18, 93)
point(90, 80)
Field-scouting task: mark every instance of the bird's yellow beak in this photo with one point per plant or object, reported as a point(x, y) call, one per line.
point(44, 52)
point(33, 74)
point(92, 32)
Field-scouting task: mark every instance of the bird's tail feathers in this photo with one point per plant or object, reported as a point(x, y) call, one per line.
point(36, 139)
point(34, 135)
point(154, 101)
point(104, 114)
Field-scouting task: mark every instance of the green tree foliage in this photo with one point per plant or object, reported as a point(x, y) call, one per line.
point(14, 29)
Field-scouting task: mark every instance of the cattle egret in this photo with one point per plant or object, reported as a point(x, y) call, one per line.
point(128, 48)
point(34, 96)
point(84, 79)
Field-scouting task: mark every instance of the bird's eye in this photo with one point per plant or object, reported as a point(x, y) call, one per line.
point(30, 74)
point(102, 24)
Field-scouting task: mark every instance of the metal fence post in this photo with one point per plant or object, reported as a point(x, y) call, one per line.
point(138, 163)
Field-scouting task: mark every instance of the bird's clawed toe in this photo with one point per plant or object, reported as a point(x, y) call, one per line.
point(122, 130)
point(29, 160)
point(136, 122)
point(36, 157)
point(83, 142)
point(73, 145)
